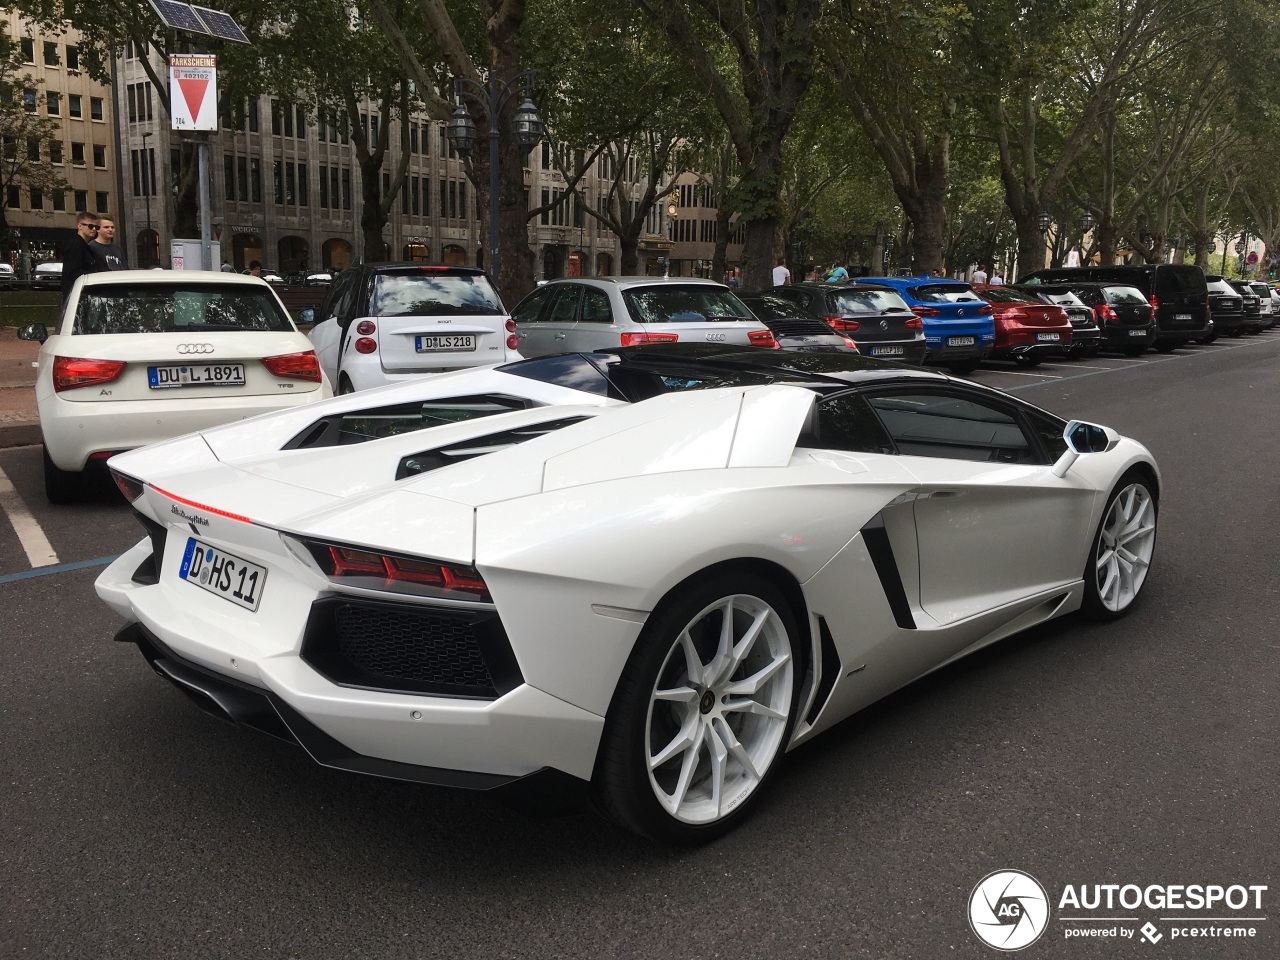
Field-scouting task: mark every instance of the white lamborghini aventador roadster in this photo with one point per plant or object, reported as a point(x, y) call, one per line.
point(646, 574)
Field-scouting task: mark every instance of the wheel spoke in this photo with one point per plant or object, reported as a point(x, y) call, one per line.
point(687, 767)
point(730, 654)
point(683, 740)
point(677, 694)
point(718, 753)
point(752, 684)
point(737, 751)
point(692, 662)
point(754, 707)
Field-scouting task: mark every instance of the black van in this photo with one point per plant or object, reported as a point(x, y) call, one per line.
point(1177, 291)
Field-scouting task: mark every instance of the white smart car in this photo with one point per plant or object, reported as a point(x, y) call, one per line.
point(140, 356)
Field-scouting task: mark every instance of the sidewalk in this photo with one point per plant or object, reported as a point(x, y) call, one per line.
point(19, 424)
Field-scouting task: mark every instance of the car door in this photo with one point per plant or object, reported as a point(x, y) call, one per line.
point(993, 524)
point(528, 314)
point(597, 328)
point(328, 333)
point(551, 333)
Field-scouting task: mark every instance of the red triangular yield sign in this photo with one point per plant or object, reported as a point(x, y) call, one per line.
point(193, 93)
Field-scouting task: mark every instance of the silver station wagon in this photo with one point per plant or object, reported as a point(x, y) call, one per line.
point(582, 314)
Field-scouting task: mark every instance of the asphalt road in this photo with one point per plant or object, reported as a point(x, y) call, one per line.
point(1142, 752)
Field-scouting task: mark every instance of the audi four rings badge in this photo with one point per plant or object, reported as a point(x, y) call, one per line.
point(190, 348)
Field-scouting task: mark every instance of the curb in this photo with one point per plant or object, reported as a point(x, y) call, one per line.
point(19, 434)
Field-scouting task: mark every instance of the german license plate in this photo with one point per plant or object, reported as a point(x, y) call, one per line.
point(222, 574)
point(445, 342)
point(196, 375)
point(1047, 337)
point(1182, 316)
point(1137, 333)
point(886, 351)
point(961, 341)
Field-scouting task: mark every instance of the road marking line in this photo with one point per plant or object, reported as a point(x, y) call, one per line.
point(61, 568)
point(34, 542)
point(1017, 373)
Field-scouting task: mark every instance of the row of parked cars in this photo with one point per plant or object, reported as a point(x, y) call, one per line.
point(230, 350)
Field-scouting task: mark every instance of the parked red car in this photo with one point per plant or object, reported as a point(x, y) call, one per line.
point(1027, 329)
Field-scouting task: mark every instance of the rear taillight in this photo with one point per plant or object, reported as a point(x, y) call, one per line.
point(511, 326)
point(915, 323)
point(71, 373)
point(131, 488)
point(1155, 303)
point(840, 324)
point(366, 345)
point(635, 339)
point(355, 567)
point(985, 310)
point(926, 311)
point(513, 342)
point(850, 344)
point(1014, 314)
point(294, 366)
point(762, 338)
point(1108, 313)
point(366, 327)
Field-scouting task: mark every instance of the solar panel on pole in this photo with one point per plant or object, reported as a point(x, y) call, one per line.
point(220, 24)
point(178, 16)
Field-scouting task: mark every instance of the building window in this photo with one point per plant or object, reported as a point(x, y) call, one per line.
point(346, 189)
point(444, 199)
point(29, 100)
point(95, 108)
point(462, 198)
point(133, 102)
point(135, 166)
point(412, 196)
point(73, 57)
point(33, 149)
point(545, 219)
point(242, 171)
point(290, 185)
point(77, 154)
point(73, 106)
point(101, 199)
point(37, 198)
point(81, 198)
point(51, 54)
point(251, 110)
point(286, 114)
point(444, 141)
point(53, 103)
point(324, 186)
point(413, 138)
point(303, 191)
point(28, 56)
point(55, 151)
point(302, 123)
point(14, 200)
point(59, 200)
point(229, 176)
point(151, 171)
point(100, 157)
point(333, 187)
point(278, 180)
point(255, 179)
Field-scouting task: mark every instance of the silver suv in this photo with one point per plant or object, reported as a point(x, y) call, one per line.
point(582, 314)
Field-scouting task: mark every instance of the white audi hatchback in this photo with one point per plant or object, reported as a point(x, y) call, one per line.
point(140, 356)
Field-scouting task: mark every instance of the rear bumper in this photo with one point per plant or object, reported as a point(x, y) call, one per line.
point(1118, 335)
point(366, 371)
point(74, 430)
point(235, 701)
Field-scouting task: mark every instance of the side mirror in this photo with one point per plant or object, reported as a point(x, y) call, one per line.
point(34, 331)
point(1082, 437)
point(308, 315)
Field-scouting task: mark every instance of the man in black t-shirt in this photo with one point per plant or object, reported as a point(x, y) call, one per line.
point(79, 258)
point(105, 247)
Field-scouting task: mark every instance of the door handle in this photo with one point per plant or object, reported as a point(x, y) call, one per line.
point(944, 494)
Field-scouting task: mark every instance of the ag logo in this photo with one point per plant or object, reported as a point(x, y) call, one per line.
point(1008, 910)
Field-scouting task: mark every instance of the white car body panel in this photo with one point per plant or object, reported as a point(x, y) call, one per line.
point(579, 534)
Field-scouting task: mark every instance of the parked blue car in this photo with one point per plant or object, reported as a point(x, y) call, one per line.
point(959, 329)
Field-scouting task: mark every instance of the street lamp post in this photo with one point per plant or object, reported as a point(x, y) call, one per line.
point(492, 97)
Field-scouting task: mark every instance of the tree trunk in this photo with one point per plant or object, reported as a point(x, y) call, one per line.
point(720, 258)
point(373, 219)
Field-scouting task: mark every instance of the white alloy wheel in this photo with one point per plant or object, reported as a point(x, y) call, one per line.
point(719, 709)
point(1125, 544)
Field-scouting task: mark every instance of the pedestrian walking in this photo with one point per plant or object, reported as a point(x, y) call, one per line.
point(781, 275)
point(838, 273)
point(979, 275)
point(79, 258)
point(255, 268)
point(996, 280)
point(105, 247)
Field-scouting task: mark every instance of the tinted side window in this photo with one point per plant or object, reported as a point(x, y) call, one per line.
point(570, 370)
point(565, 307)
point(1049, 431)
point(528, 309)
point(338, 303)
point(1174, 278)
point(847, 423)
point(952, 427)
point(595, 306)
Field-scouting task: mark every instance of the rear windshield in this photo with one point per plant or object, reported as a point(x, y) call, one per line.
point(150, 308)
point(1005, 295)
point(1064, 299)
point(1221, 286)
point(694, 303)
point(1125, 295)
point(945, 293)
point(775, 308)
point(852, 302)
point(433, 295)
point(1173, 278)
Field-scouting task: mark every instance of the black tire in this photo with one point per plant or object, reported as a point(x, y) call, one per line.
point(1166, 346)
point(1028, 360)
point(635, 728)
point(1117, 603)
point(61, 486)
point(1254, 331)
point(962, 367)
point(1207, 340)
point(344, 385)
point(1235, 332)
point(1134, 351)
